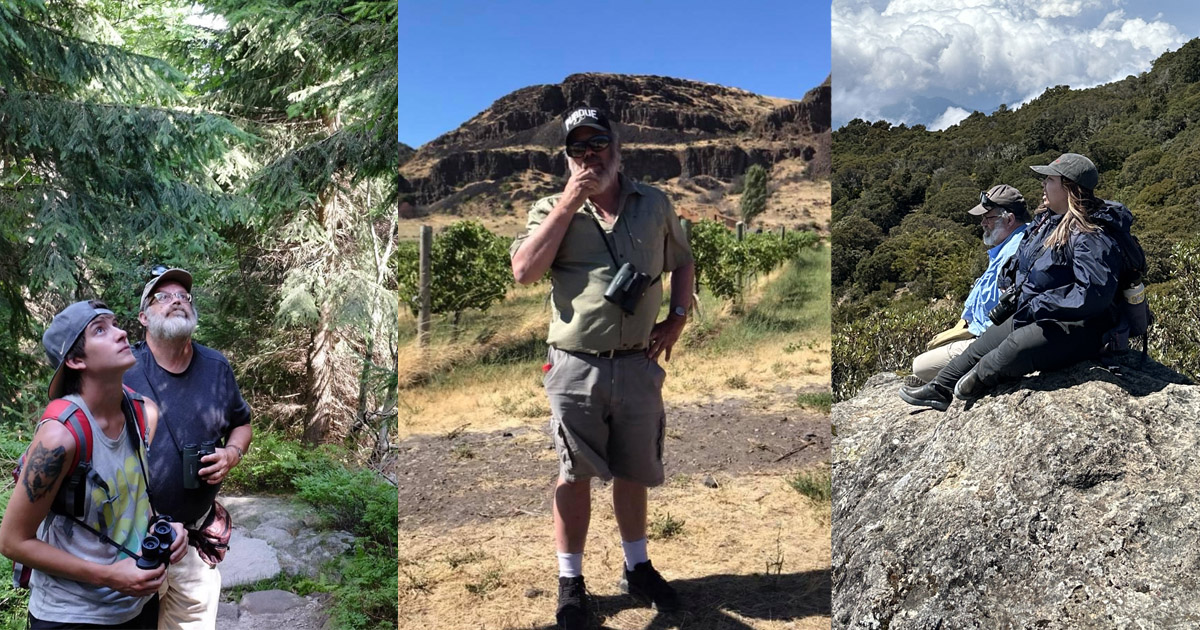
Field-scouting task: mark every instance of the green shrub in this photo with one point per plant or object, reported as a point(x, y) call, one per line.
point(815, 484)
point(882, 340)
point(273, 465)
point(354, 501)
point(365, 597)
point(820, 401)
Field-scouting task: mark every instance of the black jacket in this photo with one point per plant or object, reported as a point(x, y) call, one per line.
point(1077, 282)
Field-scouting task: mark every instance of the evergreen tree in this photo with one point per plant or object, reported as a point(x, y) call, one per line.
point(317, 79)
point(103, 172)
point(754, 195)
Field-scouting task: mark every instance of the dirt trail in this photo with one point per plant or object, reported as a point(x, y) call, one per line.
point(471, 477)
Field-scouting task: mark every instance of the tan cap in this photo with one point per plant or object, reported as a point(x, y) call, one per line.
point(1004, 197)
point(178, 275)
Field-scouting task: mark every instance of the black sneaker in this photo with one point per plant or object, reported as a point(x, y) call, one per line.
point(928, 395)
point(573, 605)
point(645, 584)
point(968, 387)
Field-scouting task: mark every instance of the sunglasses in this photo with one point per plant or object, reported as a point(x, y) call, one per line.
point(986, 201)
point(596, 143)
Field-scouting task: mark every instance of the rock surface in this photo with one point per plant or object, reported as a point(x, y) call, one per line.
point(274, 534)
point(274, 610)
point(1065, 500)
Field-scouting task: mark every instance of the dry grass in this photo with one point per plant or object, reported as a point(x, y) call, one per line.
point(500, 574)
point(501, 396)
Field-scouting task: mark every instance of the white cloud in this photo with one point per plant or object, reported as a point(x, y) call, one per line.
point(952, 116)
point(981, 53)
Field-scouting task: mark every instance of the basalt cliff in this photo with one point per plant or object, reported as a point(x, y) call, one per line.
point(1065, 500)
point(693, 139)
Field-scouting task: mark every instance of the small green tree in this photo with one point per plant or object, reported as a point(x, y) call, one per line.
point(754, 197)
point(470, 268)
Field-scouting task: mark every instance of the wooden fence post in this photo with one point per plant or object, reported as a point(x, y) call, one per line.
point(424, 282)
point(741, 230)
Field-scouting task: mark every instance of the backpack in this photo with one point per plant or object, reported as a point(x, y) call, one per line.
point(1134, 317)
point(71, 494)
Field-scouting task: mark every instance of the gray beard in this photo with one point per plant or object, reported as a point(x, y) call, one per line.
point(992, 239)
point(169, 328)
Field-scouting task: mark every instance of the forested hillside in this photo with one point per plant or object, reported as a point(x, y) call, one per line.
point(903, 239)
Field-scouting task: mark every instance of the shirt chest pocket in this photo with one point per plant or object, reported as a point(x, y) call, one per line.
point(582, 243)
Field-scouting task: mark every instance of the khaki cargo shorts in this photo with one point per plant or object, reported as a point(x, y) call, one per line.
point(607, 416)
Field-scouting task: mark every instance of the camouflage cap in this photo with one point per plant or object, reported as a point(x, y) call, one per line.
point(1074, 167)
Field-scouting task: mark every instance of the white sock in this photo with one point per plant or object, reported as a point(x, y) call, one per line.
point(570, 564)
point(635, 553)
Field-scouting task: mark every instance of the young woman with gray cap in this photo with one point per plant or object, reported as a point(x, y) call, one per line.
point(1063, 298)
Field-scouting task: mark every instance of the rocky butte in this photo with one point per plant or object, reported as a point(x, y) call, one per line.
point(1065, 500)
point(686, 136)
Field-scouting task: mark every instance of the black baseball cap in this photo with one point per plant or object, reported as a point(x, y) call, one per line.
point(585, 117)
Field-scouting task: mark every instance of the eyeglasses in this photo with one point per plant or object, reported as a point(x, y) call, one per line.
point(986, 201)
point(596, 143)
point(162, 297)
point(992, 218)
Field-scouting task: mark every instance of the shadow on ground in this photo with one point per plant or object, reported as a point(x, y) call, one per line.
point(711, 602)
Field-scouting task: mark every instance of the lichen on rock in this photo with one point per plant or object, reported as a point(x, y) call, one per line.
point(1063, 500)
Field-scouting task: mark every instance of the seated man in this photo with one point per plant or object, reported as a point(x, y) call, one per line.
point(1003, 216)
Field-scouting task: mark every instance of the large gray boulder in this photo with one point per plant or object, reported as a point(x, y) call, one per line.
point(1065, 500)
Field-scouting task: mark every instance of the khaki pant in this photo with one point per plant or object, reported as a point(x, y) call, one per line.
point(189, 595)
point(927, 364)
point(607, 416)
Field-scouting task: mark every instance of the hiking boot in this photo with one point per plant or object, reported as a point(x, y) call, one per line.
point(645, 584)
point(928, 395)
point(573, 605)
point(968, 387)
point(912, 380)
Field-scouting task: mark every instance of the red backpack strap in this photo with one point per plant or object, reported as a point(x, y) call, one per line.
point(76, 421)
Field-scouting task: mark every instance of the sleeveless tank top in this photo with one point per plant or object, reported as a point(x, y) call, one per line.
point(121, 508)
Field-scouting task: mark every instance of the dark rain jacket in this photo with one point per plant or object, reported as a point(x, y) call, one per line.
point(1076, 283)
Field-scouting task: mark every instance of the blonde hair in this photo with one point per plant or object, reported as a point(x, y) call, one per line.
point(1081, 202)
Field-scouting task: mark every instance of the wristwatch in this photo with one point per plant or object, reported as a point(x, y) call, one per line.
point(680, 311)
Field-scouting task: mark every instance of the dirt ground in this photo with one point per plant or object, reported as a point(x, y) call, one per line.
point(749, 552)
point(464, 477)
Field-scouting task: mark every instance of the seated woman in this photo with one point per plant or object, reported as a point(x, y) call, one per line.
point(1068, 269)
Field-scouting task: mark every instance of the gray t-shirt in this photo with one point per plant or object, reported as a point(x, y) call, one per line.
point(123, 512)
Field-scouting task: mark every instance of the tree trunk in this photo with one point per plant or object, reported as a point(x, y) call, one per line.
point(321, 400)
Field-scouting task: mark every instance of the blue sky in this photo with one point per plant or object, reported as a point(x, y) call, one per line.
point(457, 58)
point(933, 62)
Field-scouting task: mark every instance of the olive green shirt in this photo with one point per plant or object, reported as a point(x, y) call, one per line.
point(646, 233)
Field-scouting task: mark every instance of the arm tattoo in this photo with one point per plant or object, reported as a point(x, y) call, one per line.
point(43, 467)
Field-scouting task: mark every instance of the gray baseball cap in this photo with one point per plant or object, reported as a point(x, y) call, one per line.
point(64, 329)
point(1074, 167)
point(178, 275)
point(1004, 197)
